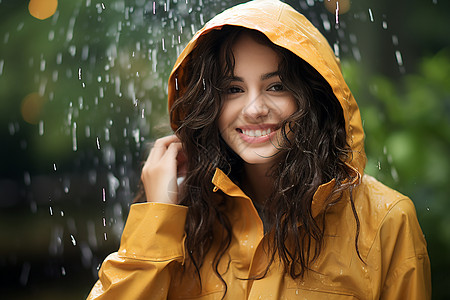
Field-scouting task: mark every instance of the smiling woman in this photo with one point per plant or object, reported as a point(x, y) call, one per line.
point(274, 202)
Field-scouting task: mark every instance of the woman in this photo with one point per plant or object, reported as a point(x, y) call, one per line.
point(274, 203)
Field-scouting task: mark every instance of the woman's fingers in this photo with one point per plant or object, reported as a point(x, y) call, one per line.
point(159, 174)
point(160, 146)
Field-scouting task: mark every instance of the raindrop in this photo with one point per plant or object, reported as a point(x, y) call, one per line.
point(6, 38)
point(56, 245)
point(74, 136)
point(385, 25)
point(51, 35)
point(63, 271)
point(69, 34)
point(395, 40)
point(59, 58)
point(136, 134)
point(2, 63)
point(54, 167)
point(113, 184)
point(356, 53)
point(79, 73)
point(336, 49)
point(62, 213)
point(74, 242)
point(103, 195)
point(398, 56)
point(55, 75)
point(104, 236)
point(394, 174)
point(20, 26)
point(42, 87)
point(106, 134)
point(86, 255)
point(41, 127)
point(27, 178)
point(92, 176)
point(42, 66)
point(72, 50)
point(337, 13)
point(325, 22)
point(371, 15)
point(104, 222)
point(98, 143)
point(51, 211)
point(85, 52)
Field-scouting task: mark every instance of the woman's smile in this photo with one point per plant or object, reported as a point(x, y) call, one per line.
point(257, 134)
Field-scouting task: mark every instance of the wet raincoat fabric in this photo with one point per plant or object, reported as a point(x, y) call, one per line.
point(394, 265)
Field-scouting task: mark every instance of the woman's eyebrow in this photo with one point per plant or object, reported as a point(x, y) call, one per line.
point(262, 77)
point(270, 75)
point(236, 78)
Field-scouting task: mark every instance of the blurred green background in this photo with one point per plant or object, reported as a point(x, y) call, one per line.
point(82, 92)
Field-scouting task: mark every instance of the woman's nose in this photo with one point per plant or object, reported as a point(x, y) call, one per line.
point(256, 107)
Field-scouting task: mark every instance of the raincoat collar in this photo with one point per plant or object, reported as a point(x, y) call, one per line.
point(320, 199)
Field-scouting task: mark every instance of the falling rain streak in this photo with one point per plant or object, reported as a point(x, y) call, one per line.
point(371, 15)
point(74, 137)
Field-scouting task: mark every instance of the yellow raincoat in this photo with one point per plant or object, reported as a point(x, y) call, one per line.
point(395, 261)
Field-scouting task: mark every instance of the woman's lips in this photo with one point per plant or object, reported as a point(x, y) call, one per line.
point(257, 134)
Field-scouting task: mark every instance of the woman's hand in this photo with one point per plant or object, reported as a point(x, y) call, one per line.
point(164, 164)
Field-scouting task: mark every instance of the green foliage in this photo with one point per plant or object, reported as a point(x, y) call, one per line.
point(407, 140)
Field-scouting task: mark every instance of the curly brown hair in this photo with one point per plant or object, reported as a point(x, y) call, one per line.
point(315, 154)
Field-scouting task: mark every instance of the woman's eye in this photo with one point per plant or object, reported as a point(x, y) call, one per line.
point(276, 87)
point(234, 90)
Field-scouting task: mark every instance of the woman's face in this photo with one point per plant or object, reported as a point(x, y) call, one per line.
point(255, 103)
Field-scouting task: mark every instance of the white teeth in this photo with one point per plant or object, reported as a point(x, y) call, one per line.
point(256, 133)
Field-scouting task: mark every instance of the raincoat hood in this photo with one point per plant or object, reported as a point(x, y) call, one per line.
point(289, 29)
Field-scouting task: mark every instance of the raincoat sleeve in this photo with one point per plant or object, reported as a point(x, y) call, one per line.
point(405, 260)
point(151, 249)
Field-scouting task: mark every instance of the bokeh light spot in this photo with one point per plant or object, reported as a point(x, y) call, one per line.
point(31, 108)
point(42, 9)
point(340, 6)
